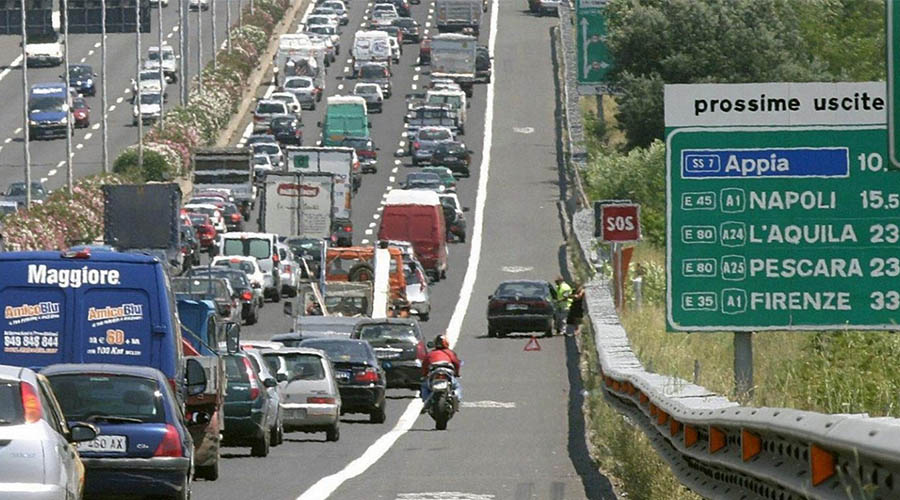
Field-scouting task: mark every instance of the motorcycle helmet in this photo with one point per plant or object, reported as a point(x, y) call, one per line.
point(440, 342)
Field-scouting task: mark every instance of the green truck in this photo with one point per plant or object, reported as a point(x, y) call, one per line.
point(345, 116)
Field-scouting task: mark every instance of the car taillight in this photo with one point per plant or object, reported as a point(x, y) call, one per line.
point(170, 446)
point(184, 250)
point(416, 145)
point(254, 384)
point(348, 228)
point(421, 352)
point(369, 375)
point(275, 258)
point(31, 404)
point(320, 401)
point(298, 133)
point(235, 217)
point(246, 295)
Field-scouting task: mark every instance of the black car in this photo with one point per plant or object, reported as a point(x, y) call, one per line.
point(454, 156)
point(81, 78)
point(361, 380)
point(376, 73)
point(521, 306)
point(234, 220)
point(250, 303)
point(286, 129)
point(342, 233)
point(410, 29)
point(483, 64)
point(247, 406)
point(399, 345)
point(308, 252)
point(365, 151)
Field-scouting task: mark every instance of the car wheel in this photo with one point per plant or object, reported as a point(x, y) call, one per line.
point(415, 162)
point(254, 318)
point(261, 447)
point(548, 332)
point(501, 333)
point(276, 297)
point(333, 433)
point(209, 472)
point(281, 433)
point(185, 493)
point(492, 332)
point(273, 436)
point(378, 416)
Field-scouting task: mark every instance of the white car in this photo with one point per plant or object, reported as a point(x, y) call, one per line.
point(339, 7)
point(169, 62)
point(149, 82)
point(417, 290)
point(39, 458)
point(373, 95)
point(326, 19)
point(290, 99)
point(259, 280)
point(290, 271)
point(198, 4)
point(214, 213)
point(396, 51)
point(304, 88)
point(385, 7)
point(272, 149)
point(322, 43)
point(148, 110)
point(262, 165)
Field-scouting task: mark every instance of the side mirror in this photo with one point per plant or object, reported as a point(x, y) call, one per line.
point(213, 250)
point(377, 149)
point(195, 377)
point(270, 383)
point(232, 337)
point(289, 308)
point(81, 432)
point(490, 297)
point(429, 344)
point(369, 124)
point(319, 124)
point(281, 377)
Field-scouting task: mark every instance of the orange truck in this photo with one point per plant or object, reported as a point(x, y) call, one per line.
point(356, 264)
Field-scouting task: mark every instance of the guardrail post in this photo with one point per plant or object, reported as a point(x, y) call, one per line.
point(637, 284)
point(743, 365)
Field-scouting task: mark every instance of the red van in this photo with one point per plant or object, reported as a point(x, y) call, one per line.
point(416, 216)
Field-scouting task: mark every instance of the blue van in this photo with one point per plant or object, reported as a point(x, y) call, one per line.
point(49, 110)
point(78, 307)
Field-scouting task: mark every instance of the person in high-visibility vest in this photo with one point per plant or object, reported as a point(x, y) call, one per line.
point(563, 293)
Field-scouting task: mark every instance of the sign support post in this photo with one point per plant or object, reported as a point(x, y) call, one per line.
point(743, 365)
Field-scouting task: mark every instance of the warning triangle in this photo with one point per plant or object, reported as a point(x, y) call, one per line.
point(532, 345)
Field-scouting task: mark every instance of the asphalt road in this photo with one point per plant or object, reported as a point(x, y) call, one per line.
point(48, 156)
point(520, 434)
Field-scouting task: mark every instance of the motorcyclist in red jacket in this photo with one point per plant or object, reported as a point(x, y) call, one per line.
point(441, 353)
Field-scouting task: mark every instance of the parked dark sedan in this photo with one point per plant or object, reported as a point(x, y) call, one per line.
point(520, 306)
point(409, 27)
point(399, 345)
point(247, 406)
point(286, 129)
point(361, 380)
point(454, 156)
point(81, 78)
point(250, 302)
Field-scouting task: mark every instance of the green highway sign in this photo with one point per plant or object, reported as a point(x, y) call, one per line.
point(594, 61)
point(782, 214)
point(893, 88)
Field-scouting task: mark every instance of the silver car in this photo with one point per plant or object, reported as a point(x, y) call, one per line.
point(417, 292)
point(276, 421)
point(290, 270)
point(38, 457)
point(304, 88)
point(311, 402)
point(426, 140)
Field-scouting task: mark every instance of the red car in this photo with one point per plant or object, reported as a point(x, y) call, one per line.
point(81, 112)
point(205, 229)
point(425, 51)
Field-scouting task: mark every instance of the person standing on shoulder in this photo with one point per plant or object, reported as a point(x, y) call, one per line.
point(576, 312)
point(563, 293)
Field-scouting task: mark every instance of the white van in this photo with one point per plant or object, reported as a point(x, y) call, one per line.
point(261, 246)
point(456, 99)
point(370, 46)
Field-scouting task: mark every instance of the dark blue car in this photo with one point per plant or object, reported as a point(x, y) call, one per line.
point(142, 444)
point(81, 78)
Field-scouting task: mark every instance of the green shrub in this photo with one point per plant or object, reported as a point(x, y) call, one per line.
point(155, 166)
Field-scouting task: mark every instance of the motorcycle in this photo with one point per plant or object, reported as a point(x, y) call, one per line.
point(443, 403)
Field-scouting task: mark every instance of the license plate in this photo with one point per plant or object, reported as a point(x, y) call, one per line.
point(388, 353)
point(440, 386)
point(343, 376)
point(516, 307)
point(298, 413)
point(105, 444)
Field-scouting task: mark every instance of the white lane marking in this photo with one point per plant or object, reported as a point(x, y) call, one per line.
point(394, 170)
point(83, 59)
point(112, 108)
point(98, 44)
point(369, 232)
point(346, 69)
point(340, 85)
point(392, 179)
point(399, 152)
point(61, 163)
point(88, 135)
point(415, 77)
point(128, 91)
point(324, 487)
point(7, 140)
point(418, 68)
point(397, 162)
point(44, 179)
point(18, 130)
point(79, 146)
point(402, 143)
point(53, 171)
point(523, 130)
point(516, 269)
point(96, 126)
point(381, 207)
point(119, 100)
point(487, 404)
point(426, 31)
point(444, 495)
point(365, 18)
point(364, 242)
point(174, 28)
point(385, 195)
point(375, 216)
point(349, 61)
point(371, 225)
point(430, 11)
point(404, 133)
point(91, 52)
point(414, 86)
point(172, 34)
point(1, 148)
point(9, 67)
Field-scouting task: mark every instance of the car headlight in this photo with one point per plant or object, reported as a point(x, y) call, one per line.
point(64, 121)
point(89, 82)
point(33, 123)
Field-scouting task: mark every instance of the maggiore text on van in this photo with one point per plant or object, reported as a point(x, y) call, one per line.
point(74, 278)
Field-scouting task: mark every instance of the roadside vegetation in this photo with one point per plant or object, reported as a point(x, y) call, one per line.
point(654, 42)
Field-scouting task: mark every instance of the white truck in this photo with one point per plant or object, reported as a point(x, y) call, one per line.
point(299, 205)
point(370, 46)
point(296, 52)
point(341, 162)
point(457, 15)
point(455, 99)
point(453, 56)
point(230, 168)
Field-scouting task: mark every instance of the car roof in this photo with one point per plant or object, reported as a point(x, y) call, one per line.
point(106, 368)
point(96, 257)
point(15, 373)
point(390, 321)
point(296, 350)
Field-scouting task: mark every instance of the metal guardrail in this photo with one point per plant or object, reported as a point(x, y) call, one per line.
point(714, 446)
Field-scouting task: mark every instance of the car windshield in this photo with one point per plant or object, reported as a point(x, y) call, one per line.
point(262, 160)
point(405, 22)
point(237, 278)
point(154, 55)
point(150, 99)
point(200, 286)
point(452, 100)
point(242, 265)
point(339, 350)
point(356, 142)
point(18, 189)
point(271, 108)
point(268, 149)
point(149, 75)
point(284, 122)
point(8, 209)
point(236, 370)
point(199, 219)
point(388, 332)
point(79, 103)
point(306, 249)
point(10, 404)
point(318, 19)
point(522, 289)
point(249, 247)
point(298, 83)
point(452, 149)
point(46, 103)
point(435, 135)
point(77, 72)
point(91, 397)
point(301, 366)
point(372, 71)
